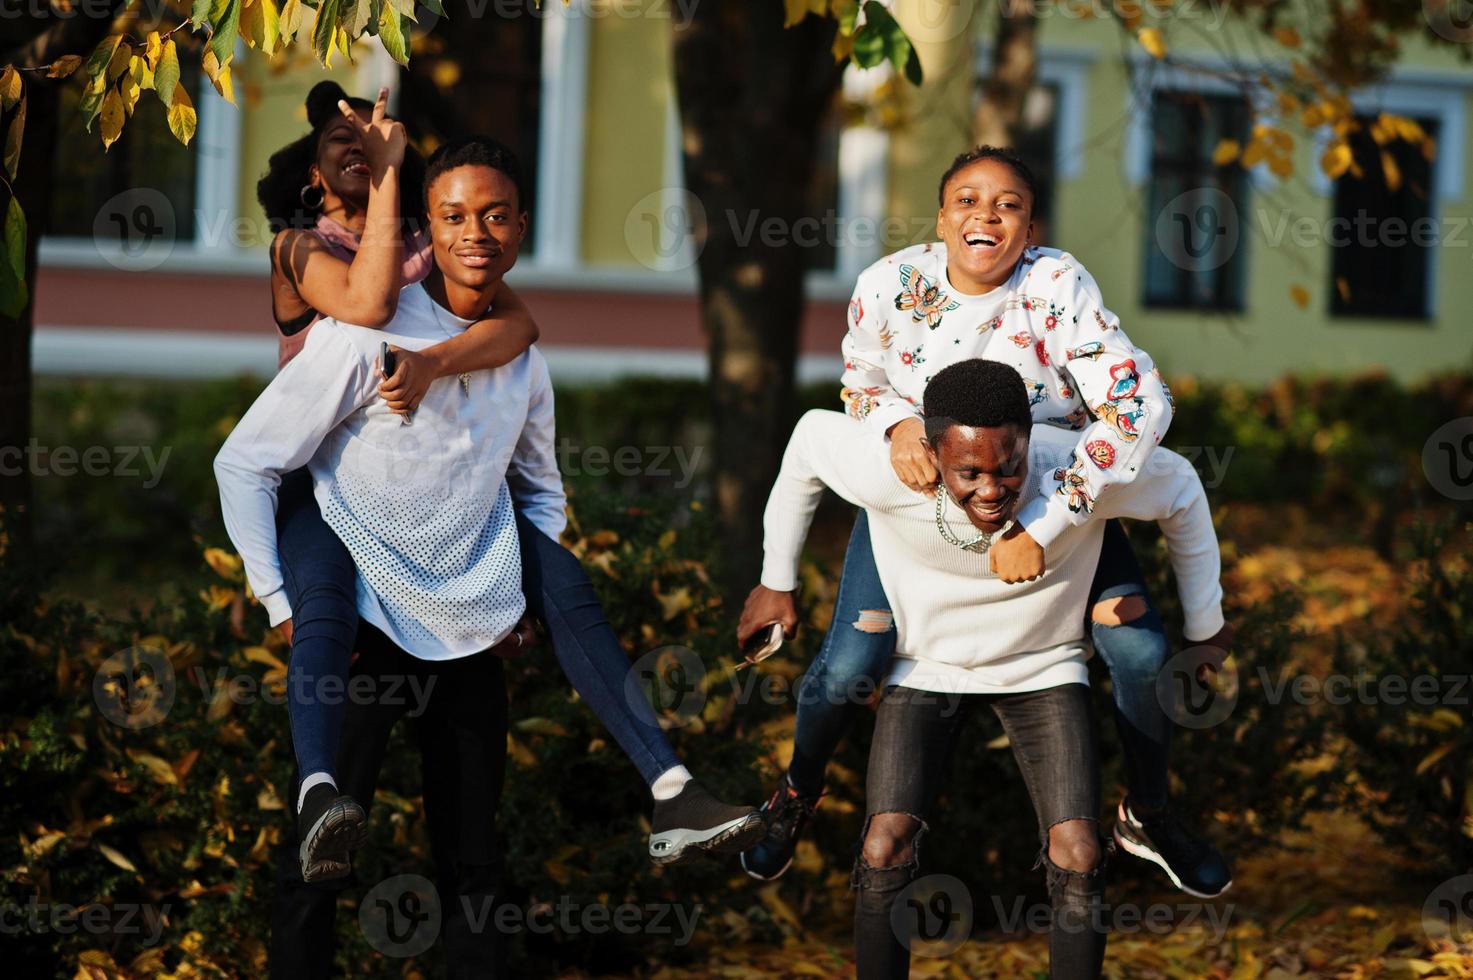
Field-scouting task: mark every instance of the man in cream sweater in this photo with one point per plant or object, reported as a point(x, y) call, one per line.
point(964, 633)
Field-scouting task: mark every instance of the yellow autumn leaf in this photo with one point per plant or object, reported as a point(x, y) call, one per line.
point(182, 117)
point(1336, 160)
point(1227, 151)
point(1287, 36)
point(1254, 154)
point(1288, 103)
point(226, 564)
point(129, 89)
point(1299, 295)
point(112, 117)
point(1153, 42)
point(1391, 171)
point(260, 655)
point(64, 66)
point(267, 799)
point(159, 770)
point(1281, 166)
point(10, 88)
point(153, 46)
point(115, 857)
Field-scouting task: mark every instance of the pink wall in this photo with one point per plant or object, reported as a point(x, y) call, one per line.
point(241, 304)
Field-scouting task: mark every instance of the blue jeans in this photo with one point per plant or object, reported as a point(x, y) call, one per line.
point(856, 654)
point(321, 581)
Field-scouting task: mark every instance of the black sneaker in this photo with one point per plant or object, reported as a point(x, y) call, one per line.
point(785, 816)
point(330, 828)
point(695, 822)
point(1192, 864)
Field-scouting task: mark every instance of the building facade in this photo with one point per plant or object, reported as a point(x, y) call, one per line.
point(156, 264)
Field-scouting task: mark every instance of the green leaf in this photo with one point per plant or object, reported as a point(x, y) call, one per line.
point(13, 138)
point(847, 15)
point(356, 16)
point(324, 27)
point(883, 39)
point(405, 8)
point(913, 73)
point(227, 29)
point(90, 106)
point(433, 6)
point(166, 76)
point(13, 291)
point(200, 12)
point(97, 62)
point(391, 32)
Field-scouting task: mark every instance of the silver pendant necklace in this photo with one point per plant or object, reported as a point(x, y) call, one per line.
point(465, 376)
point(980, 543)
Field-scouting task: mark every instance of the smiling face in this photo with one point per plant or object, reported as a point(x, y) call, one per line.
point(986, 220)
point(342, 169)
point(984, 469)
point(476, 225)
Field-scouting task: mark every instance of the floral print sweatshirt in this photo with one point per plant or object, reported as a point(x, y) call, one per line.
point(906, 323)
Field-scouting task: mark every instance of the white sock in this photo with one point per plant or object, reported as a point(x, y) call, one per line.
point(316, 779)
point(670, 783)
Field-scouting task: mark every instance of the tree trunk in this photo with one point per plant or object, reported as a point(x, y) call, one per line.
point(27, 44)
point(752, 95)
point(1005, 90)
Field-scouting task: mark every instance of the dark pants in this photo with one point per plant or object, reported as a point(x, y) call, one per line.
point(860, 642)
point(458, 713)
point(1052, 737)
point(320, 583)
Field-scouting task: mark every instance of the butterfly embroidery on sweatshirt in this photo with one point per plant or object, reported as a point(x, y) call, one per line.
point(923, 296)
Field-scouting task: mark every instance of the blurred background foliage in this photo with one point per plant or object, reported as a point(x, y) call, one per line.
point(1338, 558)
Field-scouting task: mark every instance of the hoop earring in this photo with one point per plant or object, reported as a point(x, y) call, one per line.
point(311, 205)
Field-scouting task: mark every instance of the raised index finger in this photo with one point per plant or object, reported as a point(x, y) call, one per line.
point(381, 105)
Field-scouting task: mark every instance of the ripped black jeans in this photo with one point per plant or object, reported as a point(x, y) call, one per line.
point(1052, 736)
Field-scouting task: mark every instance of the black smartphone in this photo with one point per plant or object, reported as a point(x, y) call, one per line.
point(763, 643)
point(388, 360)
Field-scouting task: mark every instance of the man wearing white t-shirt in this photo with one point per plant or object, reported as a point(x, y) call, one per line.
point(966, 638)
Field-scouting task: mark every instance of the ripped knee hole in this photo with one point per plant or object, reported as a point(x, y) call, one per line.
point(1119, 610)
